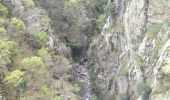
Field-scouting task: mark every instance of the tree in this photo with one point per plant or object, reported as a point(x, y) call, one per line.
point(37, 77)
point(41, 37)
point(3, 10)
point(14, 78)
point(18, 23)
point(8, 51)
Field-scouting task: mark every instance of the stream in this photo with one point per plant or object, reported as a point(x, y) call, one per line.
point(81, 72)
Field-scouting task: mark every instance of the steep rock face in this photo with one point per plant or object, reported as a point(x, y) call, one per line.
point(129, 50)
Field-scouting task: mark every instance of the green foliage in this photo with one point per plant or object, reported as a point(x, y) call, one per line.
point(46, 19)
point(73, 1)
point(144, 90)
point(33, 64)
point(30, 3)
point(2, 21)
point(94, 98)
point(17, 23)
point(14, 78)
point(41, 37)
point(46, 91)
point(123, 96)
point(2, 30)
point(77, 88)
point(166, 68)
point(58, 98)
point(101, 21)
point(43, 53)
point(153, 29)
point(3, 10)
point(7, 51)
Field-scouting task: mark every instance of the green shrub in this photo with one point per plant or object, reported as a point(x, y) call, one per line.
point(77, 88)
point(46, 19)
point(17, 23)
point(101, 21)
point(2, 21)
point(14, 78)
point(166, 68)
point(46, 91)
point(73, 1)
point(30, 3)
point(153, 29)
point(3, 10)
point(43, 53)
point(41, 37)
point(7, 51)
point(2, 30)
point(144, 90)
point(94, 97)
point(123, 96)
point(33, 64)
point(59, 98)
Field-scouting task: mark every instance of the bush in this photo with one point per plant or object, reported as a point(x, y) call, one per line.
point(41, 37)
point(101, 21)
point(144, 90)
point(124, 96)
point(77, 88)
point(2, 30)
point(153, 29)
point(3, 10)
point(46, 19)
point(14, 78)
point(43, 53)
point(33, 64)
point(7, 51)
point(30, 3)
point(73, 1)
point(2, 21)
point(59, 98)
point(17, 23)
point(46, 91)
point(166, 68)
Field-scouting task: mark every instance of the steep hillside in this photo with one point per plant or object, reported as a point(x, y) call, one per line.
point(84, 49)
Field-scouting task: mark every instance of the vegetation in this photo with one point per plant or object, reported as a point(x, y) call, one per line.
point(101, 21)
point(43, 53)
point(46, 91)
point(2, 30)
point(7, 51)
point(46, 19)
point(73, 1)
point(14, 78)
point(17, 23)
point(153, 29)
point(3, 10)
point(33, 64)
point(30, 3)
point(166, 68)
point(2, 21)
point(58, 98)
point(77, 88)
point(144, 90)
point(41, 37)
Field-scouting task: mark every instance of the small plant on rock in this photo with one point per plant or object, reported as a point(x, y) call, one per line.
point(144, 90)
point(41, 37)
point(30, 3)
point(3, 10)
point(14, 78)
point(18, 23)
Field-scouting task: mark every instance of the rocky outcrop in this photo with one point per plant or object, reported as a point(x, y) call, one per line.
point(121, 69)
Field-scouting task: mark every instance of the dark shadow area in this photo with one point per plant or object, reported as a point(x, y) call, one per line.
point(77, 52)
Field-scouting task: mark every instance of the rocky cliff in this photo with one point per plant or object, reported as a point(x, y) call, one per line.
point(91, 49)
